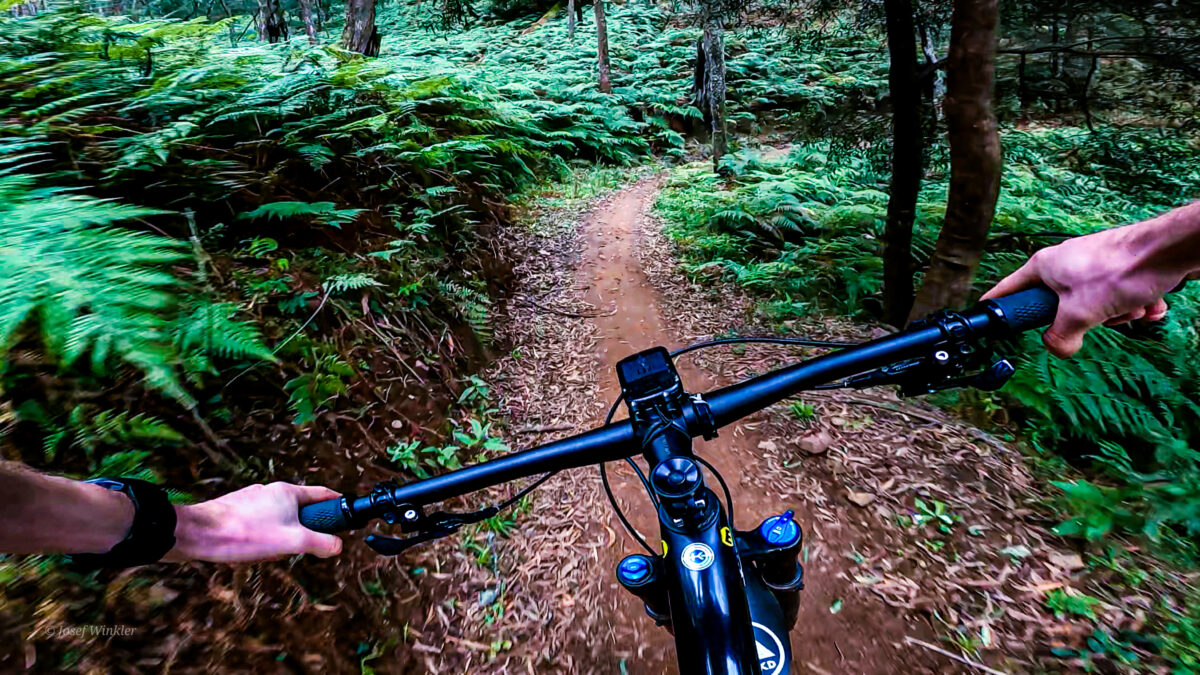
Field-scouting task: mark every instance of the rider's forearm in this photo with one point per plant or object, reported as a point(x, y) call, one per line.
point(50, 514)
point(1170, 242)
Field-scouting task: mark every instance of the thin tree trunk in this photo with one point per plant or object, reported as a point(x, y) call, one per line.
point(1084, 101)
point(713, 48)
point(1022, 86)
point(1055, 66)
point(602, 46)
point(907, 164)
point(933, 89)
point(360, 34)
point(570, 19)
point(272, 27)
point(974, 157)
point(305, 8)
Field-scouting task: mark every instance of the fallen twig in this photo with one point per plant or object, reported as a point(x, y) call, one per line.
point(974, 664)
point(541, 428)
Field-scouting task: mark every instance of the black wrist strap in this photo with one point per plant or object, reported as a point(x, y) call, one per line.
point(150, 537)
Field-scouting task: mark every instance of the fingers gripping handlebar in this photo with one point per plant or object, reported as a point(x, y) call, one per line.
point(1001, 317)
point(1029, 309)
point(327, 516)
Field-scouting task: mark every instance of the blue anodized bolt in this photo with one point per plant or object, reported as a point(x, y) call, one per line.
point(634, 569)
point(780, 530)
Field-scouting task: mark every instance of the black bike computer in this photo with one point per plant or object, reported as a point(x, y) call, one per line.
point(647, 373)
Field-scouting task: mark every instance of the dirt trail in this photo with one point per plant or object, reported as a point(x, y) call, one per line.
point(631, 318)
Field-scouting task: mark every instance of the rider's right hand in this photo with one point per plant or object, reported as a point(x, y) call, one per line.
point(1110, 277)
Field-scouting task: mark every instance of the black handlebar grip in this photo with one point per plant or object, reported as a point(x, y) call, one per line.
point(327, 516)
point(1028, 309)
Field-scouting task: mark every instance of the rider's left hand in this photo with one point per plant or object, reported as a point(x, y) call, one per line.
point(259, 522)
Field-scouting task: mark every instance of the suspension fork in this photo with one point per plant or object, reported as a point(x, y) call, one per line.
point(706, 603)
point(709, 611)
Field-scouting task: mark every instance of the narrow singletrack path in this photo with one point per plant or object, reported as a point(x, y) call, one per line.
point(630, 317)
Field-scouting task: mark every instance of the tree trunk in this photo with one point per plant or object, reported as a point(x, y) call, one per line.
point(974, 157)
point(602, 47)
point(272, 27)
point(709, 85)
point(713, 94)
point(360, 34)
point(1055, 66)
point(570, 19)
point(1084, 101)
point(1022, 87)
point(907, 164)
point(306, 17)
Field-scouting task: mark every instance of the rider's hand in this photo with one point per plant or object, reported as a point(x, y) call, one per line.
point(260, 522)
point(1109, 277)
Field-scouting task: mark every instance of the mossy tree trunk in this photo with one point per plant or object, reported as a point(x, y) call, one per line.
point(360, 34)
point(709, 84)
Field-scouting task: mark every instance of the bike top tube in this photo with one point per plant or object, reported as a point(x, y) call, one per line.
point(991, 319)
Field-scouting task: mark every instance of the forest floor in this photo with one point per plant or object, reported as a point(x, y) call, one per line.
point(888, 581)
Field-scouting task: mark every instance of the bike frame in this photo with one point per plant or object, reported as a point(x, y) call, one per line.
point(713, 610)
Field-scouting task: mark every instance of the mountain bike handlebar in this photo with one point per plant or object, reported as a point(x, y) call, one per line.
point(944, 339)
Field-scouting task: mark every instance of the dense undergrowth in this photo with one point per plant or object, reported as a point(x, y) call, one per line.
point(274, 179)
point(802, 231)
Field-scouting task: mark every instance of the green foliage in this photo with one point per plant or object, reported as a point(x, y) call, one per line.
point(1181, 635)
point(651, 58)
point(322, 213)
point(802, 411)
point(1063, 602)
point(91, 430)
point(92, 293)
point(312, 390)
point(934, 513)
point(799, 230)
point(349, 282)
point(128, 464)
point(406, 455)
point(477, 437)
point(1096, 509)
point(476, 392)
point(119, 430)
point(473, 439)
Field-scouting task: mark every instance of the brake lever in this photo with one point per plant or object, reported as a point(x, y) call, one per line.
point(390, 546)
point(989, 379)
point(433, 526)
